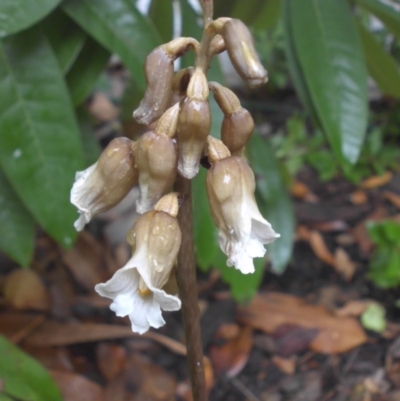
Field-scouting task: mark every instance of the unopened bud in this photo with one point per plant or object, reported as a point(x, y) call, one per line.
point(240, 47)
point(194, 125)
point(156, 159)
point(159, 71)
point(104, 184)
point(216, 150)
point(238, 124)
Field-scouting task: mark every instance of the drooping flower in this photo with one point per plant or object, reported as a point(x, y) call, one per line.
point(104, 184)
point(138, 289)
point(242, 229)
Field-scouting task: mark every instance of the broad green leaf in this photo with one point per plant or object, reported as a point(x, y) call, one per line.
point(293, 63)
point(91, 147)
point(161, 13)
point(386, 13)
point(248, 10)
point(381, 65)
point(268, 17)
point(24, 378)
point(120, 28)
point(224, 8)
point(242, 286)
point(40, 148)
point(130, 100)
point(5, 397)
point(273, 200)
point(205, 232)
point(16, 15)
point(65, 37)
point(17, 227)
point(86, 70)
point(330, 54)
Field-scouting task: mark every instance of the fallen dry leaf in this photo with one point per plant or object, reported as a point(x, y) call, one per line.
point(230, 358)
point(392, 363)
point(302, 233)
point(358, 197)
point(270, 311)
point(320, 249)
point(24, 290)
point(353, 308)
point(330, 226)
point(392, 198)
point(377, 180)
point(77, 388)
point(85, 261)
point(300, 191)
point(343, 264)
point(291, 339)
point(285, 365)
point(228, 331)
point(151, 382)
point(111, 360)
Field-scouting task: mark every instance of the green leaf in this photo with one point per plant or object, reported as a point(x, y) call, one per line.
point(16, 15)
point(120, 28)
point(65, 37)
point(248, 10)
point(17, 227)
point(23, 377)
point(373, 318)
point(86, 70)
point(243, 287)
point(381, 65)
point(5, 397)
point(161, 13)
point(269, 15)
point(329, 50)
point(293, 63)
point(40, 148)
point(387, 14)
point(91, 147)
point(274, 202)
point(205, 232)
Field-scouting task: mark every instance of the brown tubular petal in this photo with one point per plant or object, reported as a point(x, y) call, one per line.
point(159, 71)
point(116, 171)
point(236, 130)
point(156, 159)
point(240, 47)
point(198, 86)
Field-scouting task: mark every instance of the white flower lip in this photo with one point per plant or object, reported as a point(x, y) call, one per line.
point(123, 288)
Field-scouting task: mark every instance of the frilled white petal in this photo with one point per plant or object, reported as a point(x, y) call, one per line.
point(144, 311)
point(81, 197)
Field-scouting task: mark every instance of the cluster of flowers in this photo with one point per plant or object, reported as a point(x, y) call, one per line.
point(145, 285)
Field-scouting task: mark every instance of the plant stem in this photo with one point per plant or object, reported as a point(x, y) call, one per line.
point(186, 278)
point(186, 272)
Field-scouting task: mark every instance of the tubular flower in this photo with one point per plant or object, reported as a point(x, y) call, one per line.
point(104, 184)
point(156, 159)
point(230, 189)
point(138, 289)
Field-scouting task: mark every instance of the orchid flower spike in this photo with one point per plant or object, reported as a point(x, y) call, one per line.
point(230, 187)
point(104, 184)
point(138, 289)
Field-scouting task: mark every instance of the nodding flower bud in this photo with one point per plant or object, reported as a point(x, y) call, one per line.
point(242, 228)
point(142, 288)
point(159, 71)
point(194, 125)
point(104, 184)
point(240, 47)
point(180, 84)
point(238, 124)
point(156, 160)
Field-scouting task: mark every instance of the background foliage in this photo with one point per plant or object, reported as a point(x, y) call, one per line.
point(52, 53)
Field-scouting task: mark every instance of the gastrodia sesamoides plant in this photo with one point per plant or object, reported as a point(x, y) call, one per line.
point(178, 104)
